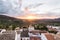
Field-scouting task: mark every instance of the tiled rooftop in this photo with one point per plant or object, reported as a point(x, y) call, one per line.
point(49, 36)
point(34, 35)
point(38, 31)
point(35, 38)
point(7, 36)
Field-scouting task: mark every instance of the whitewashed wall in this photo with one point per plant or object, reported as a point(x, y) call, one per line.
point(43, 37)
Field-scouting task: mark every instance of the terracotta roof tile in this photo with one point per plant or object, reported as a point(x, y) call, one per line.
point(49, 36)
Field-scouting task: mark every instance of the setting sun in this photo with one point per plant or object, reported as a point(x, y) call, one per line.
point(30, 17)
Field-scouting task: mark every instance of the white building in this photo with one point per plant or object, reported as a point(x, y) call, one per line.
point(30, 28)
point(2, 30)
point(54, 27)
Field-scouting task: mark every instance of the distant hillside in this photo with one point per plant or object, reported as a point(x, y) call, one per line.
point(11, 22)
point(7, 18)
point(57, 19)
point(48, 21)
point(7, 22)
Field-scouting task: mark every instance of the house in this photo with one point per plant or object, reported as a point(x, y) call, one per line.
point(35, 38)
point(34, 35)
point(57, 36)
point(54, 27)
point(30, 28)
point(17, 35)
point(7, 36)
point(24, 34)
point(49, 36)
point(38, 31)
point(2, 30)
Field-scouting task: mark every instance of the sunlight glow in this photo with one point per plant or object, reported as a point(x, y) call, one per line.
point(30, 17)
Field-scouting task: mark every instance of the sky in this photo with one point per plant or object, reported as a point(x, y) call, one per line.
point(36, 8)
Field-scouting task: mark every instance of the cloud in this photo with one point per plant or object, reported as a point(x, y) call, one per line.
point(9, 6)
point(13, 8)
